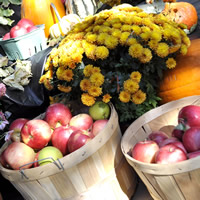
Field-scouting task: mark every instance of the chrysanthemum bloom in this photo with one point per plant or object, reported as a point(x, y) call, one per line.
point(138, 97)
point(87, 71)
point(111, 42)
point(96, 28)
point(183, 49)
point(101, 38)
point(135, 50)
point(117, 25)
point(136, 29)
point(90, 51)
point(65, 89)
point(146, 56)
point(186, 41)
point(101, 52)
point(131, 41)
point(85, 85)
point(162, 50)
point(97, 79)
point(94, 91)
point(124, 96)
point(136, 76)
point(91, 37)
point(87, 99)
point(124, 37)
point(106, 98)
point(156, 35)
point(153, 44)
point(171, 63)
point(131, 86)
point(96, 69)
point(126, 27)
point(2, 90)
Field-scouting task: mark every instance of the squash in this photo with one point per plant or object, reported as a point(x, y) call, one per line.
point(184, 79)
point(182, 12)
point(40, 12)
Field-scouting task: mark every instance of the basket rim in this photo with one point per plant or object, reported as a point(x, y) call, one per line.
point(153, 168)
point(69, 160)
point(11, 40)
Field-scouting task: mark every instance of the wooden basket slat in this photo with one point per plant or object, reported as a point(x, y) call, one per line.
point(178, 181)
point(87, 173)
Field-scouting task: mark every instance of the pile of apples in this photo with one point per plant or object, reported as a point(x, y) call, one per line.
point(36, 142)
point(182, 144)
point(23, 27)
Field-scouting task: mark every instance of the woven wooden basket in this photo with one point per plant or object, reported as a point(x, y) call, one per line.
point(97, 171)
point(178, 181)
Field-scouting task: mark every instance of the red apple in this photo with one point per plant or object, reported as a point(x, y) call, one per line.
point(178, 131)
point(189, 116)
point(60, 138)
point(31, 28)
point(16, 127)
point(158, 136)
point(82, 121)
point(18, 154)
point(180, 145)
point(3, 161)
point(36, 133)
point(145, 151)
point(98, 125)
point(6, 36)
point(25, 23)
point(191, 139)
point(36, 164)
point(77, 139)
point(170, 153)
point(17, 31)
point(57, 114)
point(168, 141)
point(193, 154)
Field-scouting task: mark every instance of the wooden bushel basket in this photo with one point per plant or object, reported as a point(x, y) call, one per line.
point(96, 171)
point(180, 181)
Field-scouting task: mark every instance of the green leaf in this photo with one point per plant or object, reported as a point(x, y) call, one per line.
point(6, 12)
point(16, 2)
point(6, 21)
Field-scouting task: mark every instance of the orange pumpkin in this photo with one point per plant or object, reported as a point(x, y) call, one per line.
point(40, 12)
point(184, 79)
point(182, 12)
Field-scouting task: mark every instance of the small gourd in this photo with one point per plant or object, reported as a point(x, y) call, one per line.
point(184, 79)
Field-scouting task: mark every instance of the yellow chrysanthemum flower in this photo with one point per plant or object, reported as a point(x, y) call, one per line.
point(101, 38)
point(111, 42)
point(135, 50)
point(95, 91)
point(131, 41)
point(96, 28)
point(117, 25)
point(101, 52)
point(156, 35)
point(131, 86)
point(48, 84)
point(136, 29)
point(183, 49)
point(87, 71)
point(106, 98)
point(136, 76)
point(126, 27)
point(91, 38)
point(96, 69)
point(87, 99)
point(116, 33)
point(145, 36)
point(85, 85)
point(162, 50)
point(171, 63)
point(65, 89)
point(105, 29)
point(124, 37)
point(124, 96)
point(139, 97)
point(90, 52)
point(146, 55)
point(186, 41)
point(153, 44)
point(97, 79)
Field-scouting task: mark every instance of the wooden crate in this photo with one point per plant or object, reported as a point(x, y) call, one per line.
point(97, 171)
point(179, 181)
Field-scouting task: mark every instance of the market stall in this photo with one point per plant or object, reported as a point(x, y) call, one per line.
point(120, 56)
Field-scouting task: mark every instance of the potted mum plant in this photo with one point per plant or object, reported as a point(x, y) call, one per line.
point(116, 55)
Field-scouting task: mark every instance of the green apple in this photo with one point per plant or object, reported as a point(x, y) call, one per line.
point(99, 110)
point(47, 152)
